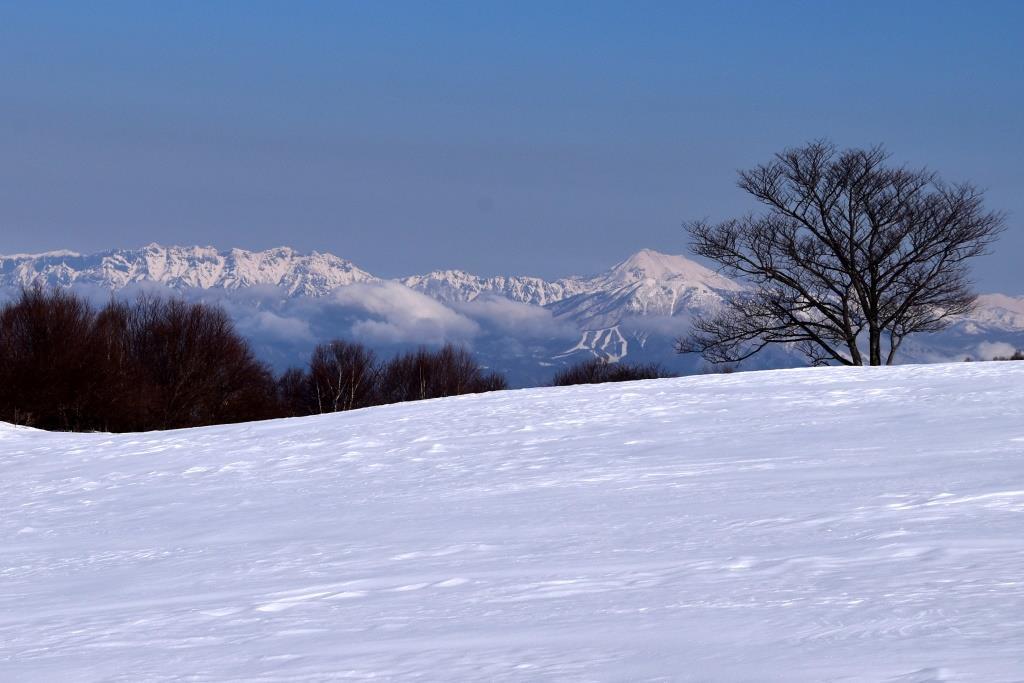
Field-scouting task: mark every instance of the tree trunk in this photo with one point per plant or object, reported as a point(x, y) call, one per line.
point(875, 340)
point(894, 344)
point(855, 357)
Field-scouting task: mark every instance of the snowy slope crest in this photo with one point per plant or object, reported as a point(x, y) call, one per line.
point(802, 525)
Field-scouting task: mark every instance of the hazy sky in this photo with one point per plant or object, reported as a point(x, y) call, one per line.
point(527, 137)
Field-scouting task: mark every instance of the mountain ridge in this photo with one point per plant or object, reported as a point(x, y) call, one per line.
point(646, 281)
point(635, 308)
point(180, 267)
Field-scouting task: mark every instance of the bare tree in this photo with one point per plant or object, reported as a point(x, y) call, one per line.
point(422, 374)
point(295, 392)
point(850, 251)
point(195, 367)
point(48, 360)
point(166, 363)
point(343, 376)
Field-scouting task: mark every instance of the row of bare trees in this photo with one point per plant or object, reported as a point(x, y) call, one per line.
point(599, 371)
point(151, 364)
point(344, 376)
point(165, 363)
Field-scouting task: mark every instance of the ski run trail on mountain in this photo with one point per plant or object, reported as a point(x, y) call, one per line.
point(844, 524)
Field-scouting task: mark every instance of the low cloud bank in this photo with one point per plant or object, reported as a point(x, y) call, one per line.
point(989, 350)
point(387, 316)
point(492, 311)
point(391, 313)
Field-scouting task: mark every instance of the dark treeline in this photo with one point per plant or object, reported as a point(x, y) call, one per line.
point(598, 371)
point(151, 364)
point(344, 376)
point(165, 364)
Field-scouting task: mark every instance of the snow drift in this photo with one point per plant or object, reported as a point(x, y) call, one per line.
point(820, 524)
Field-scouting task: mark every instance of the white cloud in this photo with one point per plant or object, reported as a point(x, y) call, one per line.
point(401, 315)
point(669, 326)
point(516, 318)
point(989, 350)
point(264, 324)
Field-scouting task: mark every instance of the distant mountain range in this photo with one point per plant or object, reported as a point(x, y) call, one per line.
point(524, 325)
point(181, 268)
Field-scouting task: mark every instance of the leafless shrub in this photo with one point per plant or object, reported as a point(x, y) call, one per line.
point(597, 371)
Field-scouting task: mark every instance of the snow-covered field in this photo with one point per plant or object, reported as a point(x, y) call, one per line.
point(827, 524)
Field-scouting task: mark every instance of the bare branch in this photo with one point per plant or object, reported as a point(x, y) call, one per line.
point(847, 251)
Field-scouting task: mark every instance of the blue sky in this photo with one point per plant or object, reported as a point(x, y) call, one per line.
point(528, 137)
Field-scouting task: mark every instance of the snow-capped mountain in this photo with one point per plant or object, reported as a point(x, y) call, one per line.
point(999, 311)
point(521, 324)
point(313, 274)
point(648, 283)
point(454, 286)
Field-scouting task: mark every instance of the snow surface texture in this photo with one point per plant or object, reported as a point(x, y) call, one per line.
point(816, 524)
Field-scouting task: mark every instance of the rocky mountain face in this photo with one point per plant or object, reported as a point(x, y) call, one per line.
point(998, 311)
point(648, 284)
point(634, 310)
point(455, 286)
point(180, 268)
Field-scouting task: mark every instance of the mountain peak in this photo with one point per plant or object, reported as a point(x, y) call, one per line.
point(648, 264)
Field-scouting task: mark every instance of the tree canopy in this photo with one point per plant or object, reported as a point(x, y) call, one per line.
point(849, 257)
